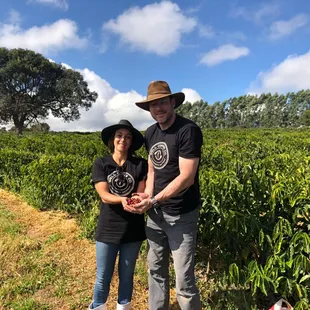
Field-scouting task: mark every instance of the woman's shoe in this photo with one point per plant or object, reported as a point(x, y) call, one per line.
point(123, 307)
point(101, 307)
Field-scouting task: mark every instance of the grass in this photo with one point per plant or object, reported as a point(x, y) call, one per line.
point(141, 273)
point(7, 224)
point(45, 264)
point(29, 277)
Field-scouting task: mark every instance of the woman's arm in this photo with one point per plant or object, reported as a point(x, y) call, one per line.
point(102, 189)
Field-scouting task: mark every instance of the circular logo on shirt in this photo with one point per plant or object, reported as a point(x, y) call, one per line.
point(121, 184)
point(159, 155)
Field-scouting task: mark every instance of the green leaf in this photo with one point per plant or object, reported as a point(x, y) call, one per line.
point(304, 278)
point(261, 238)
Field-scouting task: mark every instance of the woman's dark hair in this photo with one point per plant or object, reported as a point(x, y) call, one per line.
point(111, 146)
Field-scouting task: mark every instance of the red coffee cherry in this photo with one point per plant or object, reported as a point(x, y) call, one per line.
point(133, 200)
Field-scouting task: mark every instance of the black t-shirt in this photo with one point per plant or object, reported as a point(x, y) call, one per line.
point(182, 139)
point(116, 225)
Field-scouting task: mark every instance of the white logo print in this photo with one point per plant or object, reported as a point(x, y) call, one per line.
point(121, 184)
point(159, 155)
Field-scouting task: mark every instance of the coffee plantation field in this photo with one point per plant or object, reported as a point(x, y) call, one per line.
point(254, 227)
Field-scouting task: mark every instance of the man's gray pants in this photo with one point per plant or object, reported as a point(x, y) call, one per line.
point(178, 234)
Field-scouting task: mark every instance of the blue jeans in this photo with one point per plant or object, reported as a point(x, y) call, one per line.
point(106, 254)
point(178, 234)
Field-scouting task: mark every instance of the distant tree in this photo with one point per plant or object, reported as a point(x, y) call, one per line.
point(32, 87)
point(184, 109)
point(40, 127)
point(264, 110)
point(197, 111)
point(305, 118)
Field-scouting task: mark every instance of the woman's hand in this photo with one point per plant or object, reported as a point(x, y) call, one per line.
point(144, 205)
point(126, 206)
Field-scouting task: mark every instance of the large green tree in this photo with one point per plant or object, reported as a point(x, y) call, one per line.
point(32, 87)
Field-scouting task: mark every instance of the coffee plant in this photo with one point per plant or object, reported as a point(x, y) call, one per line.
point(255, 212)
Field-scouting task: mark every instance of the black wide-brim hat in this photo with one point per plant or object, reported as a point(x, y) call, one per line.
point(137, 137)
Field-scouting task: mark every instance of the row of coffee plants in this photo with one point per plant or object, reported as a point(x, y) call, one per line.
point(255, 214)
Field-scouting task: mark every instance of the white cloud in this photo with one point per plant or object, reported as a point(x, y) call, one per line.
point(122, 106)
point(110, 107)
point(62, 4)
point(63, 64)
point(155, 28)
point(282, 28)
point(292, 74)
point(206, 31)
point(62, 34)
point(14, 17)
point(191, 95)
point(267, 10)
point(226, 52)
point(195, 9)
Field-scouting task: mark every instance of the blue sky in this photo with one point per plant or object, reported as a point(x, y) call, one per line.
point(211, 50)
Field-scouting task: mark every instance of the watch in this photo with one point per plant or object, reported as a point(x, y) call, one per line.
point(155, 203)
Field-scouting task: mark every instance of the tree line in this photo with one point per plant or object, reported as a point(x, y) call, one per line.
point(266, 110)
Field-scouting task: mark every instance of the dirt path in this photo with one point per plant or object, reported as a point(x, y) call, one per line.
point(77, 254)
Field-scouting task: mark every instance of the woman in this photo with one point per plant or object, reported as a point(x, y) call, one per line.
point(115, 178)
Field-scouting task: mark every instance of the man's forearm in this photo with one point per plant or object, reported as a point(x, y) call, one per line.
point(149, 186)
point(174, 187)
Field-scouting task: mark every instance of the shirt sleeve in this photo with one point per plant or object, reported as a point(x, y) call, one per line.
point(190, 142)
point(144, 168)
point(99, 173)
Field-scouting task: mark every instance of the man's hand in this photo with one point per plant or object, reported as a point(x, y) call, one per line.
point(144, 205)
point(141, 195)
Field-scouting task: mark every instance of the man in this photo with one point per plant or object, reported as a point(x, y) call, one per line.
point(171, 197)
